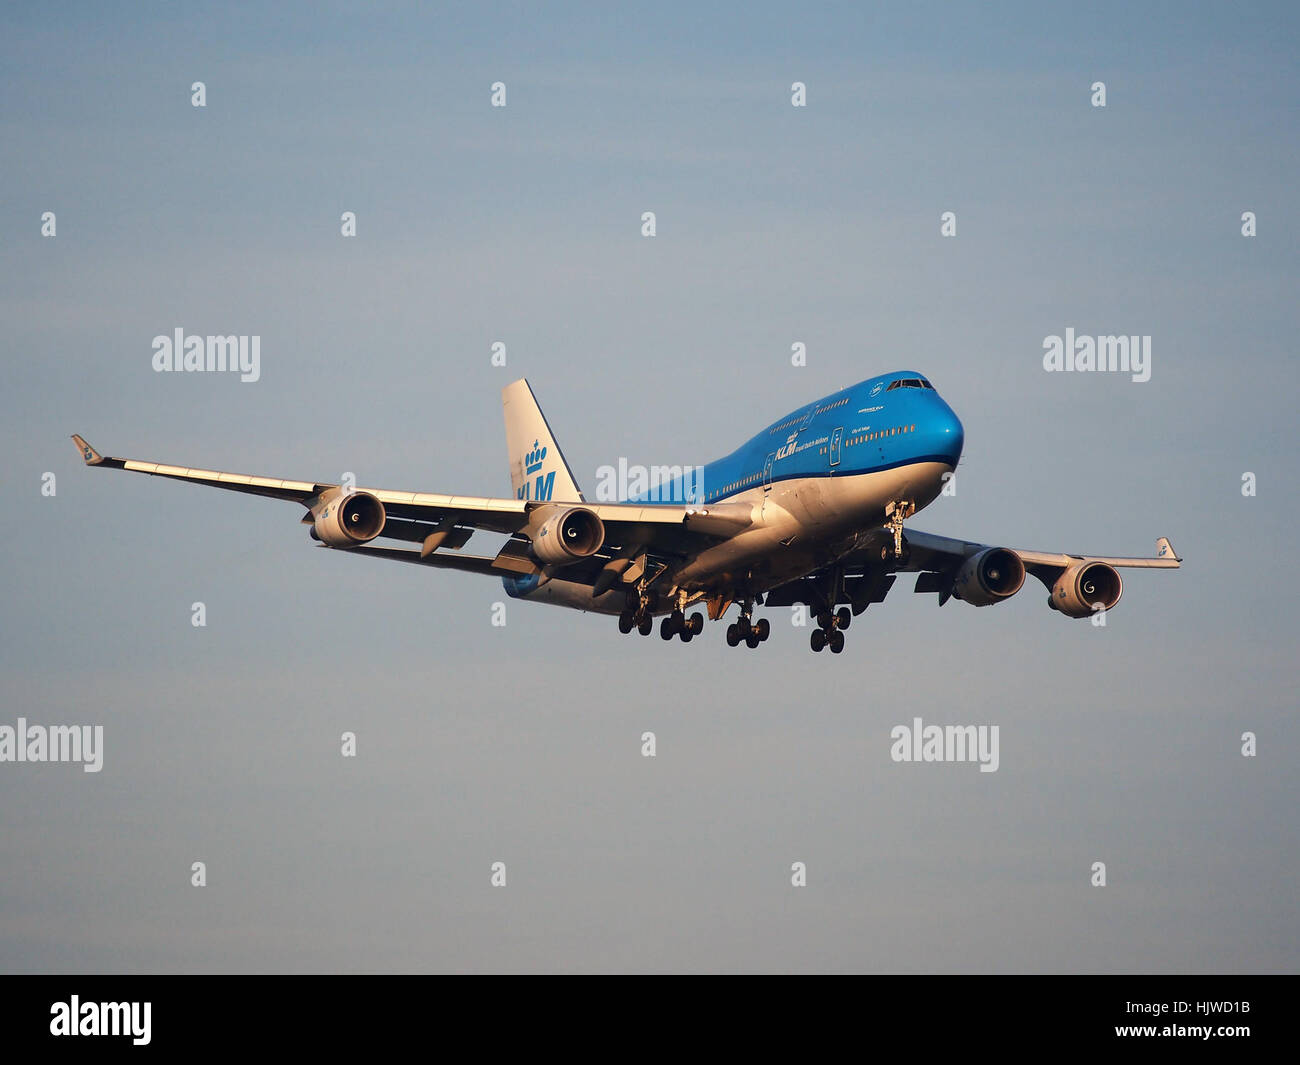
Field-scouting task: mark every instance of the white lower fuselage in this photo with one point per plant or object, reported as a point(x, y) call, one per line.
point(800, 525)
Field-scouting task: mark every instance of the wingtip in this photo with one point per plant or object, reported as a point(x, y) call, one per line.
point(88, 454)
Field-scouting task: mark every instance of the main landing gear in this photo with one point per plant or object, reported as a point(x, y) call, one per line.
point(627, 621)
point(830, 630)
point(678, 624)
point(636, 615)
point(745, 628)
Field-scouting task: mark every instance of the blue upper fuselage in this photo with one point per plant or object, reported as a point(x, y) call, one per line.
point(878, 424)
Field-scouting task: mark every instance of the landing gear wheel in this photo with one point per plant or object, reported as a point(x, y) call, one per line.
point(666, 629)
point(742, 626)
point(626, 622)
point(763, 628)
point(899, 559)
point(842, 617)
point(836, 640)
point(646, 625)
point(686, 635)
point(753, 639)
point(733, 635)
point(697, 623)
point(825, 619)
point(818, 640)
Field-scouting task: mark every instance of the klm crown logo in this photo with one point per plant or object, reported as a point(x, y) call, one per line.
point(534, 459)
point(545, 483)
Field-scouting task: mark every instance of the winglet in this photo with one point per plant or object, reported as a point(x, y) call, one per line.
point(1164, 549)
point(92, 457)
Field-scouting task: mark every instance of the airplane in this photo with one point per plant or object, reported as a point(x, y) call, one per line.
point(810, 511)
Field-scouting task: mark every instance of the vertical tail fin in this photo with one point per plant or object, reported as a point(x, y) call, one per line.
point(537, 466)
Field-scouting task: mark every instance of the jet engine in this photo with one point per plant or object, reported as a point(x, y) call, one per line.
point(567, 536)
point(346, 521)
point(1084, 588)
point(991, 576)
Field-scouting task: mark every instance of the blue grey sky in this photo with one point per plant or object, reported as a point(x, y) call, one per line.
point(522, 225)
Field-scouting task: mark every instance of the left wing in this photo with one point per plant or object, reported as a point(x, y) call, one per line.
point(983, 574)
point(931, 552)
point(980, 574)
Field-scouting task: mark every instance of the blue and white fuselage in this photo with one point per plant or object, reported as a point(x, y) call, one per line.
point(814, 480)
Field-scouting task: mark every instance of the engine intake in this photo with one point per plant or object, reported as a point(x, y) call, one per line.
point(568, 536)
point(989, 577)
point(1086, 587)
point(346, 521)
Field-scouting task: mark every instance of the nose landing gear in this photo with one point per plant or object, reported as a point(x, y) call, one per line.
point(897, 552)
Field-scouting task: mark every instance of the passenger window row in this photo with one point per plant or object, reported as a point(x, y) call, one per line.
point(861, 438)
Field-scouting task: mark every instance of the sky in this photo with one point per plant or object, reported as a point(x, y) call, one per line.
point(522, 743)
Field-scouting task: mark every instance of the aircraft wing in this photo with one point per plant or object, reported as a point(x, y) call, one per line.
point(942, 553)
point(667, 528)
point(938, 559)
point(867, 571)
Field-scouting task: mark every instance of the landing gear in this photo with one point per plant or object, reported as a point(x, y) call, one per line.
point(898, 559)
point(897, 552)
point(744, 628)
point(830, 630)
point(678, 624)
point(636, 614)
point(735, 634)
point(635, 619)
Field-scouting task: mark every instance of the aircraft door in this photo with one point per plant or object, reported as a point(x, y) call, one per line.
point(834, 449)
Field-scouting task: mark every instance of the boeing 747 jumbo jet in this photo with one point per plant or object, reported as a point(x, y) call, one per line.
point(809, 511)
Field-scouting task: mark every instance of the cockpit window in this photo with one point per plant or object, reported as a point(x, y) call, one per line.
point(910, 382)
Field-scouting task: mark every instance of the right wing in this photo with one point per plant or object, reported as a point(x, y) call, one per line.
point(674, 530)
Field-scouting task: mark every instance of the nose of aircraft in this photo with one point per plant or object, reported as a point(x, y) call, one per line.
point(947, 433)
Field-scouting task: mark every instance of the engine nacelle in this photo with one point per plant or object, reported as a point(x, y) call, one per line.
point(567, 536)
point(1085, 588)
point(991, 576)
point(348, 520)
